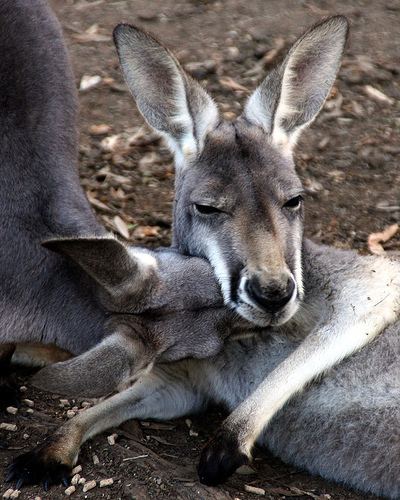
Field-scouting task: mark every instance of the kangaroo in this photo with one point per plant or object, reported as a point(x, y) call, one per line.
point(239, 204)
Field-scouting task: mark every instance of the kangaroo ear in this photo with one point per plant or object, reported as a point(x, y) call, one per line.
point(167, 97)
point(120, 271)
point(292, 95)
point(97, 372)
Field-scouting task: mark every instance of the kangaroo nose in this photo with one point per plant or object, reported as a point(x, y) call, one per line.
point(273, 297)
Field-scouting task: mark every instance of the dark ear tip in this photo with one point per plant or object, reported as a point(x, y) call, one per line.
point(58, 245)
point(339, 20)
point(122, 29)
point(50, 244)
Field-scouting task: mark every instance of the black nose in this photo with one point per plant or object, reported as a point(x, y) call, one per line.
point(271, 298)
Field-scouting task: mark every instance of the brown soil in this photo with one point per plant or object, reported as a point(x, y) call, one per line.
point(347, 162)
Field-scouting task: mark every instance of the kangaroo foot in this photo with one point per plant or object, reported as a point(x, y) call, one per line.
point(38, 466)
point(220, 458)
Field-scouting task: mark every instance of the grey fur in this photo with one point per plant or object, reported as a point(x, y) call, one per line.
point(43, 297)
point(335, 406)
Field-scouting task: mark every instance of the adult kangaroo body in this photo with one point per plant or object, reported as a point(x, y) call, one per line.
point(43, 297)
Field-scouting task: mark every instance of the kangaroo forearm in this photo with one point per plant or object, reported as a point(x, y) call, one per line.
point(320, 351)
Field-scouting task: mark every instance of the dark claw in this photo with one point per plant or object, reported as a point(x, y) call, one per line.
point(220, 458)
point(35, 467)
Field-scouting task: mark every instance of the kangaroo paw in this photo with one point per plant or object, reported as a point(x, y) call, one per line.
point(220, 458)
point(37, 467)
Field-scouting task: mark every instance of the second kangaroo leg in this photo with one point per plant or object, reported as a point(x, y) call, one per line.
point(8, 385)
point(30, 354)
point(158, 395)
point(37, 355)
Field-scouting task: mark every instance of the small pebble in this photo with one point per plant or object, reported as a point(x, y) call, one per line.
point(7, 493)
point(76, 469)
point(111, 439)
point(96, 460)
point(8, 427)
point(29, 403)
point(70, 413)
point(254, 489)
point(15, 494)
point(75, 479)
point(89, 485)
point(193, 433)
point(25, 436)
point(38, 498)
point(188, 422)
point(12, 410)
point(64, 402)
point(23, 388)
point(29, 410)
point(82, 480)
point(70, 490)
point(86, 404)
point(106, 482)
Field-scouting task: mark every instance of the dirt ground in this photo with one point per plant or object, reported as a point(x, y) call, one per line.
point(347, 160)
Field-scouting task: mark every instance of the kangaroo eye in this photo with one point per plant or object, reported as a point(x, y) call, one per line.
point(294, 203)
point(206, 209)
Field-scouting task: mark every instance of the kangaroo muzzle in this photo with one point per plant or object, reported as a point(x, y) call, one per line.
point(272, 297)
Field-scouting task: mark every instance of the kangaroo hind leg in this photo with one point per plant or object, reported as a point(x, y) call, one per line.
point(159, 395)
point(8, 384)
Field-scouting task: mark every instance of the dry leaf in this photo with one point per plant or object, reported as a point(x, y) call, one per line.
point(377, 95)
point(245, 470)
point(91, 35)
point(82, 5)
point(143, 137)
point(254, 490)
point(375, 240)
point(114, 144)
point(100, 129)
point(270, 56)
point(97, 203)
point(230, 84)
point(89, 82)
point(121, 227)
point(142, 232)
point(114, 85)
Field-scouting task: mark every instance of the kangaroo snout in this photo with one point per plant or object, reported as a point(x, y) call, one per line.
point(271, 296)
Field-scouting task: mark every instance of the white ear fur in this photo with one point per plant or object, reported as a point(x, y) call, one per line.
point(170, 100)
point(290, 98)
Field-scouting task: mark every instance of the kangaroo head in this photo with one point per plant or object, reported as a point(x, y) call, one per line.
point(238, 198)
